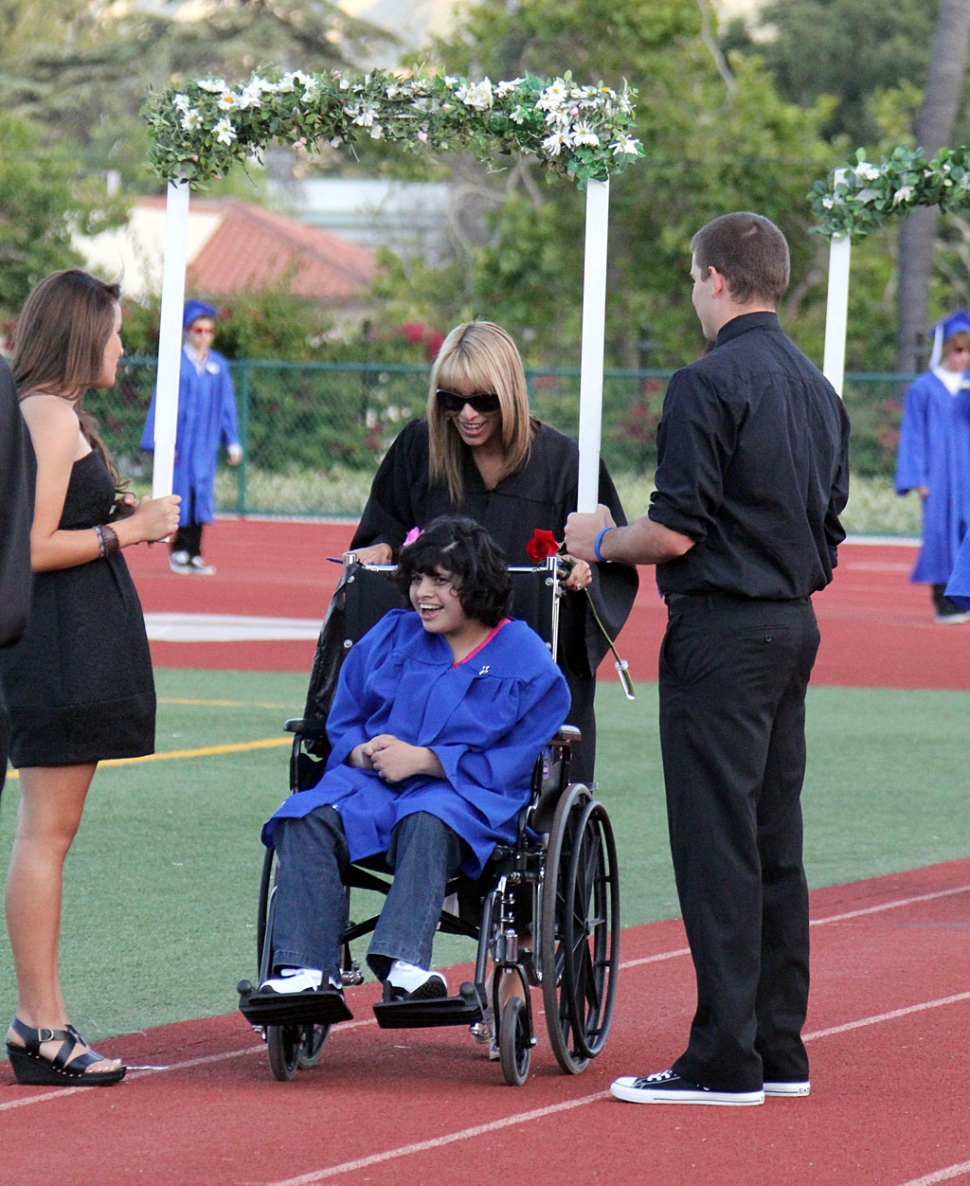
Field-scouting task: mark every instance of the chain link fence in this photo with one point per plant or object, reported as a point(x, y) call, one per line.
point(314, 433)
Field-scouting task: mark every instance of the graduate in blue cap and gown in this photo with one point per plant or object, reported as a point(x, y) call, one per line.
point(934, 458)
point(206, 420)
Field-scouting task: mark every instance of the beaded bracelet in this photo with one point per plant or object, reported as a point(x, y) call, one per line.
point(108, 542)
point(596, 545)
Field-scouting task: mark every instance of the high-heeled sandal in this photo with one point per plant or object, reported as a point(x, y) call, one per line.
point(31, 1067)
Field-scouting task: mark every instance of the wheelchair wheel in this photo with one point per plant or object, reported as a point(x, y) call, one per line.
point(515, 1046)
point(265, 896)
point(290, 1046)
point(580, 925)
point(314, 1037)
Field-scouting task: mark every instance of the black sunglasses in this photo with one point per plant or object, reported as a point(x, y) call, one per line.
point(481, 401)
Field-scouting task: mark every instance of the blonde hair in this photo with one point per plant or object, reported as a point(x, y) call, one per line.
point(479, 356)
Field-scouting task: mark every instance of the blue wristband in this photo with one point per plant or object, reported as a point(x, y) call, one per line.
point(596, 546)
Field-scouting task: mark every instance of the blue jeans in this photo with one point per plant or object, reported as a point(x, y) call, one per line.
point(310, 903)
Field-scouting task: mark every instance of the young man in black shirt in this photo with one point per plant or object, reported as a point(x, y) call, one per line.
point(752, 477)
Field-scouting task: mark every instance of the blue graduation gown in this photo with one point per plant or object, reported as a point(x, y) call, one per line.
point(540, 494)
point(206, 419)
point(958, 590)
point(934, 451)
point(487, 720)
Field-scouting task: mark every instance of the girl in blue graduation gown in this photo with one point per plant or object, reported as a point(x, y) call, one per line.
point(934, 458)
point(206, 420)
point(439, 716)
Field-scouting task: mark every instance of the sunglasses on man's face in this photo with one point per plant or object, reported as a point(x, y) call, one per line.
point(481, 401)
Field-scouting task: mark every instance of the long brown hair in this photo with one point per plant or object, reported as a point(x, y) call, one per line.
point(482, 356)
point(61, 337)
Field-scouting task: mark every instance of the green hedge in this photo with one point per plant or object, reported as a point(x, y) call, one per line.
point(325, 426)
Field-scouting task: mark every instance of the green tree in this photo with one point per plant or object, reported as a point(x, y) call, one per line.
point(41, 204)
point(934, 129)
point(84, 76)
point(850, 49)
point(717, 137)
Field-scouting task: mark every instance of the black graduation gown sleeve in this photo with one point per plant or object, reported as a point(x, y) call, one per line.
point(16, 502)
point(16, 512)
point(398, 494)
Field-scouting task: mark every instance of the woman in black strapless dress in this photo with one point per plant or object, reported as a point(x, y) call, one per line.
point(79, 683)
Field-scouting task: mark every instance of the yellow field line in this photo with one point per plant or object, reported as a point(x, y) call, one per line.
point(205, 752)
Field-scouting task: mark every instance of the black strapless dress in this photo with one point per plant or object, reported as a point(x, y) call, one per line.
point(79, 684)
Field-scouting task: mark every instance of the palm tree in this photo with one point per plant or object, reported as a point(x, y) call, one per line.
point(934, 127)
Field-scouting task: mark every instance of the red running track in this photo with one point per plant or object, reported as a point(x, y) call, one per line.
point(877, 628)
point(887, 1031)
point(888, 1035)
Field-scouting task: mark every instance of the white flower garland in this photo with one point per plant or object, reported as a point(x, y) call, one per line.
point(200, 129)
point(863, 196)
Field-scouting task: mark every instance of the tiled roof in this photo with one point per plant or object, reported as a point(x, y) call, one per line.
point(253, 248)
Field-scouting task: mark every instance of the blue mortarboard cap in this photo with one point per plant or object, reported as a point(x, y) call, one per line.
point(195, 309)
point(958, 322)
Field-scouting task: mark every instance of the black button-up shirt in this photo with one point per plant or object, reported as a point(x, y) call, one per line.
point(753, 466)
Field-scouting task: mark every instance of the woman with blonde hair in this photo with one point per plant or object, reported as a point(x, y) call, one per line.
point(79, 683)
point(480, 452)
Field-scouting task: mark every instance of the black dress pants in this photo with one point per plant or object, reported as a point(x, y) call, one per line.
point(733, 678)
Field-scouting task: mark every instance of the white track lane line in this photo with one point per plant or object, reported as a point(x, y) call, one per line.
point(465, 1134)
point(348, 1167)
point(62, 1092)
point(891, 1016)
point(951, 1171)
point(816, 922)
point(141, 1073)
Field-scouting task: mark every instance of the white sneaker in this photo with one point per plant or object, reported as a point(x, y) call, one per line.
point(179, 561)
point(200, 568)
point(788, 1087)
point(294, 980)
point(666, 1087)
point(408, 982)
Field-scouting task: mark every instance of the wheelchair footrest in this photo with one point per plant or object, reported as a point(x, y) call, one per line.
point(305, 1008)
point(406, 1015)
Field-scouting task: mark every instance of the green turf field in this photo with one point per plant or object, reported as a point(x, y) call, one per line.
point(161, 884)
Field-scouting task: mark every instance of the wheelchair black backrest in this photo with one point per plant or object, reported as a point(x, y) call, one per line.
point(363, 596)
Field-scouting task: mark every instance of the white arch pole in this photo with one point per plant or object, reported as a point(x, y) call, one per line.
point(837, 311)
point(170, 337)
point(594, 333)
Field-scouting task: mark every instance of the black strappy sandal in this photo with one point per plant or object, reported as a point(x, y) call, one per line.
point(30, 1066)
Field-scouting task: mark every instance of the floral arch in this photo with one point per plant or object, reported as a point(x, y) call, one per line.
point(863, 196)
point(201, 129)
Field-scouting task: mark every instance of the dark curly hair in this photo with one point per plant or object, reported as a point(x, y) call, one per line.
point(463, 549)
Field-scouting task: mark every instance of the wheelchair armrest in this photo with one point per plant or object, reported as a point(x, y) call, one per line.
point(568, 735)
point(311, 730)
point(551, 777)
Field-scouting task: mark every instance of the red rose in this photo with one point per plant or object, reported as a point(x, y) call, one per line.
point(542, 544)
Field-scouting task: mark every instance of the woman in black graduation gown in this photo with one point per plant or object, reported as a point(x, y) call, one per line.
point(481, 453)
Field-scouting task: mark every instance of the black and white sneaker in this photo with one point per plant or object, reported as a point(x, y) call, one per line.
point(293, 980)
point(666, 1087)
point(788, 1087)
point(408, 982)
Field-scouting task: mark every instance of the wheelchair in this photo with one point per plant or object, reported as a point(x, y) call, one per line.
point(546, 909)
